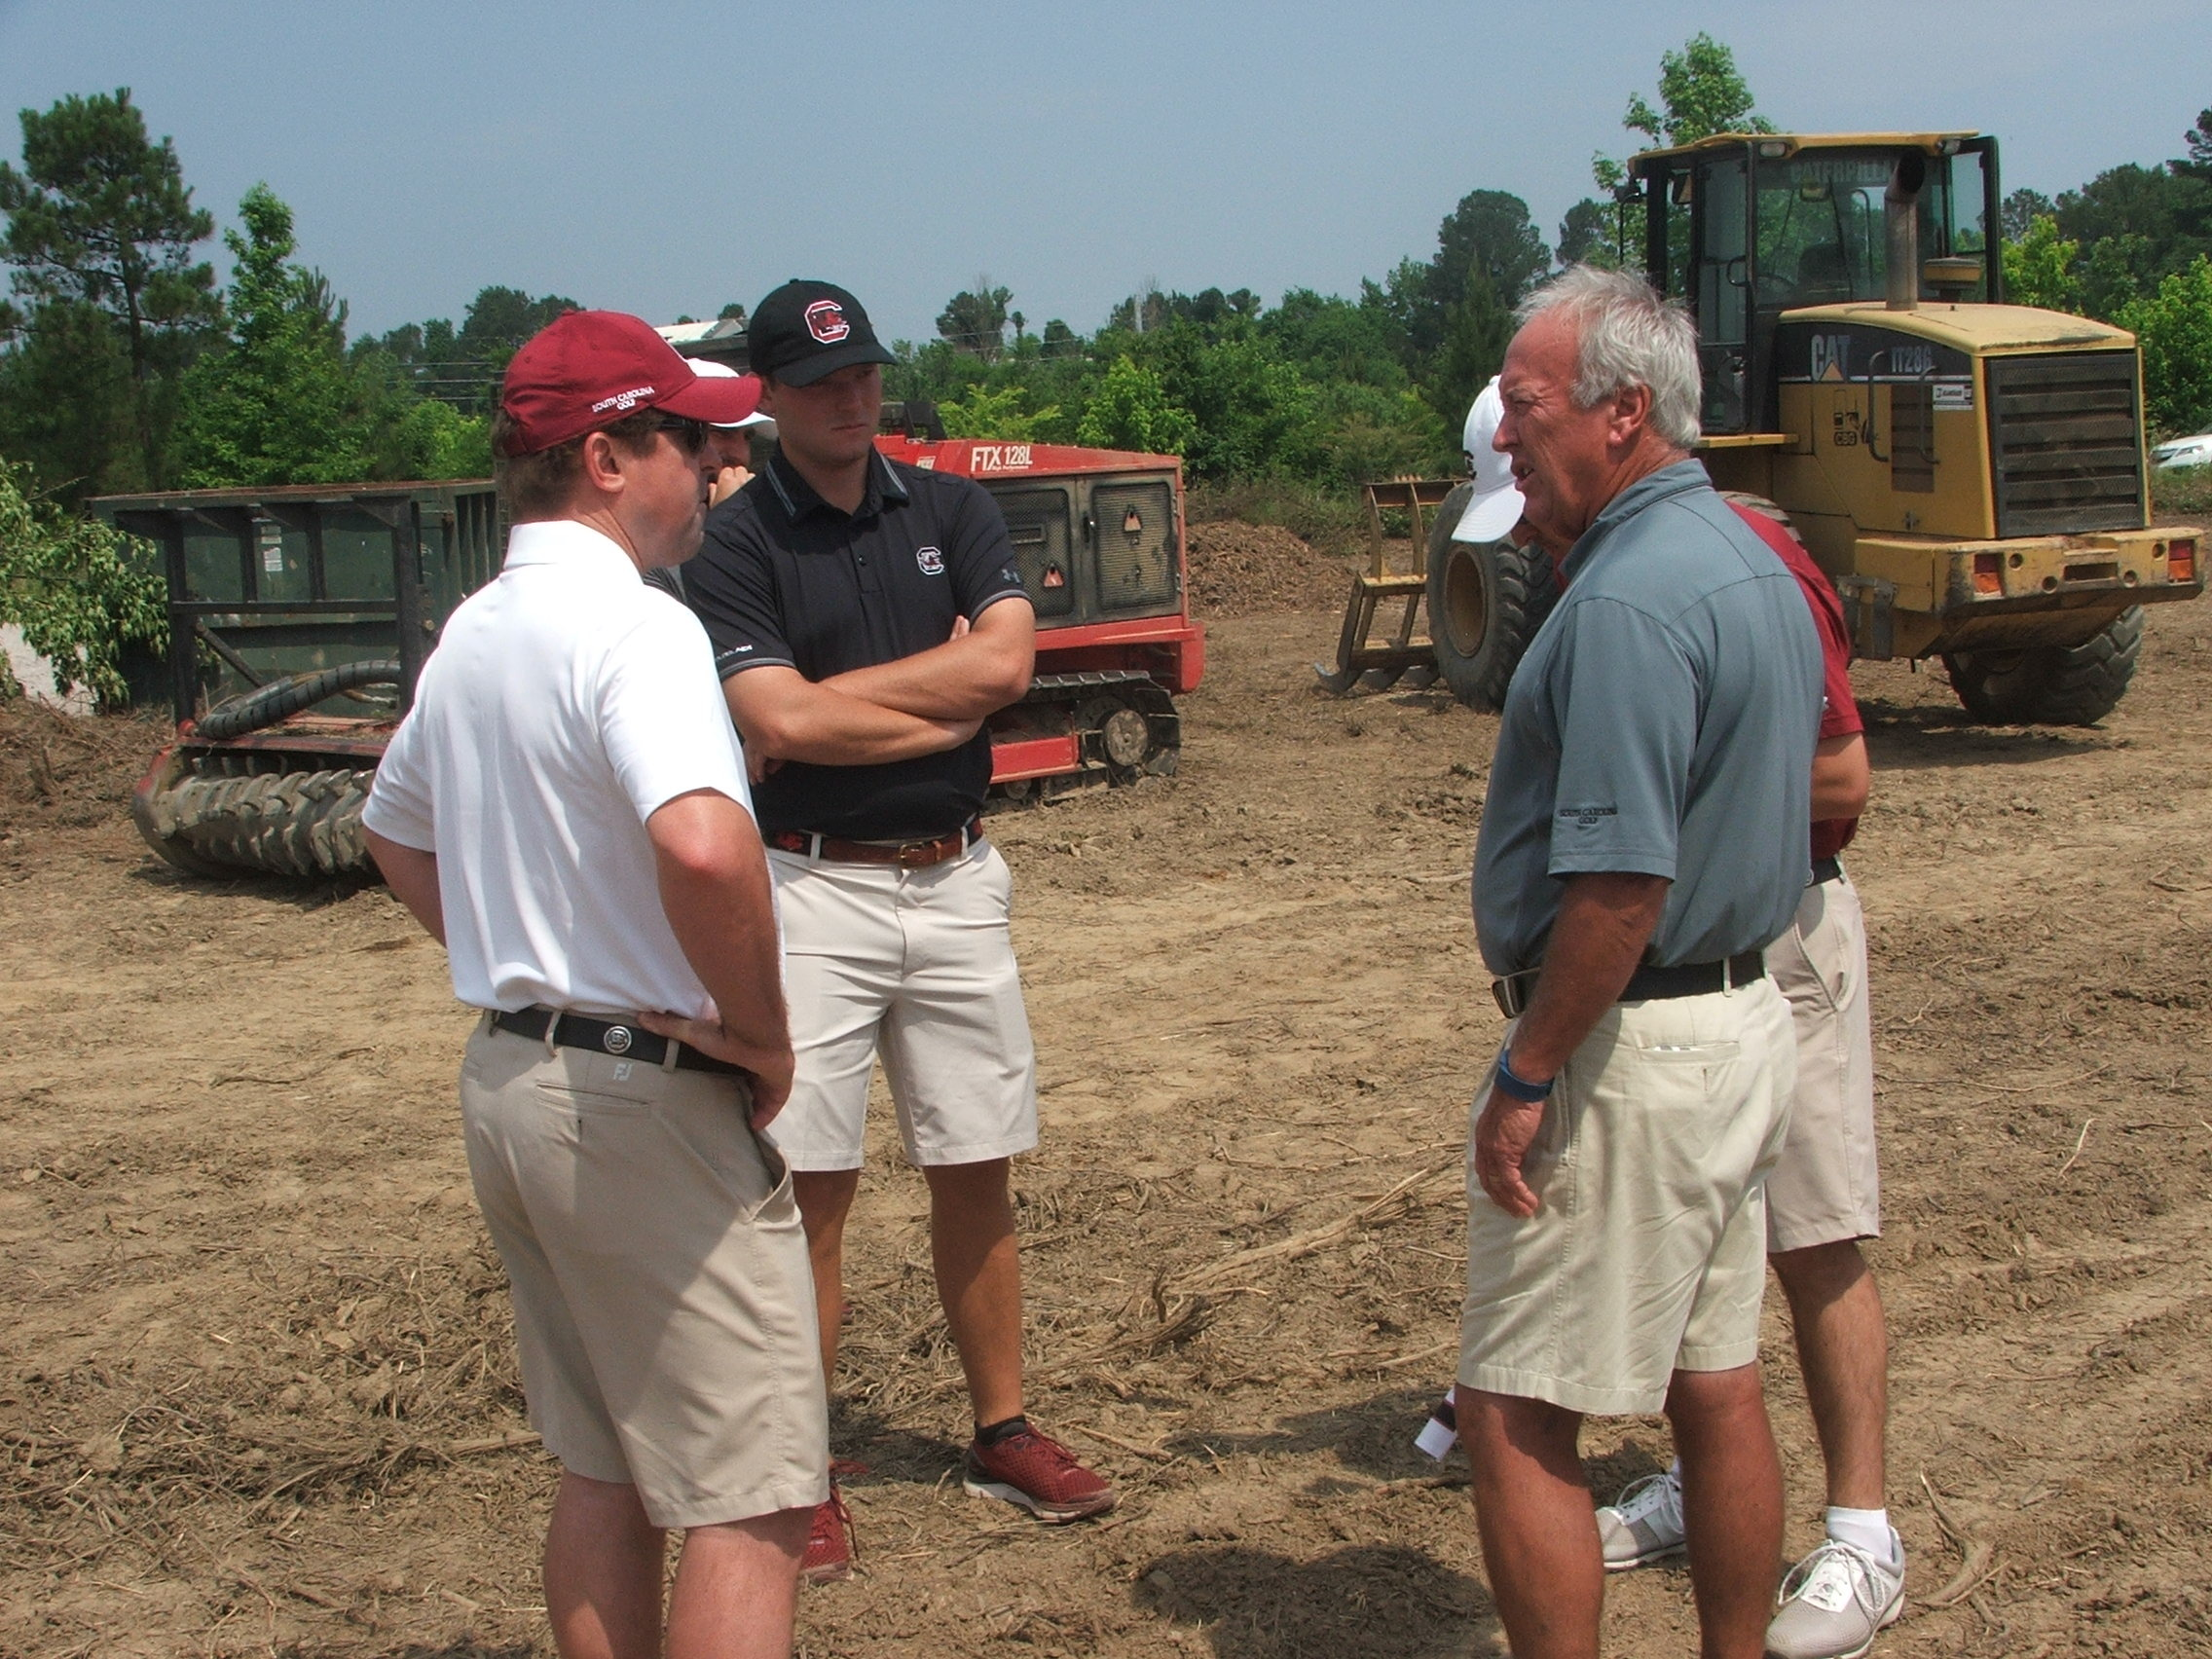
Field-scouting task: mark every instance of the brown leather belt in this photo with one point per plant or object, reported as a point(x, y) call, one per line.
point(904, 854)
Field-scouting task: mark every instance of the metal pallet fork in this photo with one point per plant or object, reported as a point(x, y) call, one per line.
point(1407, 651)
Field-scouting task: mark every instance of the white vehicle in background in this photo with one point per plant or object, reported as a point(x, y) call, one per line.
point(2183, 452)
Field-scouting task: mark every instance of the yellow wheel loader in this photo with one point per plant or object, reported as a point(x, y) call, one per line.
point(1971, 474)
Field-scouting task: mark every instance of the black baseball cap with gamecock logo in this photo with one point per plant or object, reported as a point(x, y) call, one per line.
point(805, 330)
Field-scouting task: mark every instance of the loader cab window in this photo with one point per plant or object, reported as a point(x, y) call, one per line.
point(1821, 234)
point(1719, 271)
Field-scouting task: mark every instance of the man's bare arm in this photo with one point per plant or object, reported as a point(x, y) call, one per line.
point(971, 675)
point(783, 716)
point(1842, 775)
point(411, 874)
point(715, 891)
point(1604, 922)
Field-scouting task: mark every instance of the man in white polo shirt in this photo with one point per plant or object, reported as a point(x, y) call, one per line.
point(565, 809)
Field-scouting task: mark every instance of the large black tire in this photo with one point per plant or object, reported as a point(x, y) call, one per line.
point(1485, 603)
point(275, 823)
point(2050, 684)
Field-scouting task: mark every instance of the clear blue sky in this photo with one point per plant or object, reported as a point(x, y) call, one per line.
point(664, 156)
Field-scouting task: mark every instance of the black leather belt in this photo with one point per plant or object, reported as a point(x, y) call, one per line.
point(1647, 983)
point(1829, 869)
point(608, 1037)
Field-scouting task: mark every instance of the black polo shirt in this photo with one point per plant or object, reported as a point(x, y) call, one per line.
point(786, 579)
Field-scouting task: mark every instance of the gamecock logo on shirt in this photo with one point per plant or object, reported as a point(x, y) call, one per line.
point(931, 561)
point(826, 322)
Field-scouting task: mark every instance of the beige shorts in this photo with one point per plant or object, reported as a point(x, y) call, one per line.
point(1647, 1252)
point(664, 1305)
point(1826, 1188)
point(915, 966)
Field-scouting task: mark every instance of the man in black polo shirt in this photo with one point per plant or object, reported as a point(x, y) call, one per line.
point(867, 617)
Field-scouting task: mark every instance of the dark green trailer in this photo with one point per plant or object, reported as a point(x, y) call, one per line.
point(299, 620)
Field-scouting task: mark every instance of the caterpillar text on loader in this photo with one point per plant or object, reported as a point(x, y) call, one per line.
point(299, 619)
point(1969, 474)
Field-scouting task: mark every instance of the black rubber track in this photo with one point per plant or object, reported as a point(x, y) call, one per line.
point(281, 699)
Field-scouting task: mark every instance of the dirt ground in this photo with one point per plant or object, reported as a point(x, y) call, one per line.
point(257, 1392)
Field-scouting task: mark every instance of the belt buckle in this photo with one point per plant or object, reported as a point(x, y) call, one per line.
point(917, 855)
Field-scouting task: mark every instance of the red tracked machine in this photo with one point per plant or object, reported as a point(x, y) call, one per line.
point(1099, 536)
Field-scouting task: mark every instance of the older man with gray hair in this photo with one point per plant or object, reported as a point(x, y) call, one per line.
point(1646, 836)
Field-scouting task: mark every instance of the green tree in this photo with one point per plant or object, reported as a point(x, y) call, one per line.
point(1491, 231)
point(2020, 209)
point(975, 319)
point(2038, 267)
point(2173, 325)
point(1591, 233)
point(1131, 411)
point(81, 593)
point(100, 217)
point(1701, 93)
point(1253, 413)
point(1477, 331)
point(2136, 225)
point(68, 404)
point(278, 403)
point(987, 414)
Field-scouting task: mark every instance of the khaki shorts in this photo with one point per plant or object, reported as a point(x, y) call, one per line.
point(1826, 1188)
point(915, 966)
point(1647, 1252)
point(663, 1302)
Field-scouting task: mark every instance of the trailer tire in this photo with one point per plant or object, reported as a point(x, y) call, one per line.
point(275, 823)
point(1484, 606)
point(2050, 684)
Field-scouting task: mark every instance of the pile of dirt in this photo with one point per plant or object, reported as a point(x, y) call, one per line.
point(1247, 570)
point(65, 771)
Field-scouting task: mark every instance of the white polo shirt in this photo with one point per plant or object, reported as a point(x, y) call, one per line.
point(565, 703)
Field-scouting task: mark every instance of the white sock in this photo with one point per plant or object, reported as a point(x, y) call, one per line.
point(1674, 1471)
point(1867, 1529)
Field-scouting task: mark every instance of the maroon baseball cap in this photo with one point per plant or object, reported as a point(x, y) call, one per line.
point(587, 369)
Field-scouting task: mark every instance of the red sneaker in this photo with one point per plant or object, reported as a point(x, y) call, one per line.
point(1039, 1473)
point(830, 1546)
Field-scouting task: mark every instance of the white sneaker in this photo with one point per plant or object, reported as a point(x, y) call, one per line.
point(1833, 1602)
point(1645, 1523)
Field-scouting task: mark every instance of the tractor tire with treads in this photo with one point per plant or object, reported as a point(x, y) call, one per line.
point(1485, 603)
point(2050, 684)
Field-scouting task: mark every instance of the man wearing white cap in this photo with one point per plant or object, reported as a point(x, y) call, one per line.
point(733, 440)
point(1492, 513)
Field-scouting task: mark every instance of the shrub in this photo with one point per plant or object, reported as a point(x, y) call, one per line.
point(80, 591)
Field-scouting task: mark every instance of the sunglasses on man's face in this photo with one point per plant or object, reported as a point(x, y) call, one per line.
point(691, 436)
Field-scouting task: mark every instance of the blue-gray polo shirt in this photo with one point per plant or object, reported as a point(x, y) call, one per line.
point(1661, 722)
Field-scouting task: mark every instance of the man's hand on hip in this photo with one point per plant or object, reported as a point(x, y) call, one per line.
point(770, 1070)
point(1504, 1134)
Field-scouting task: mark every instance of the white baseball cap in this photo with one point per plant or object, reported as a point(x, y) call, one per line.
point(708, 369)
point(1495, 508)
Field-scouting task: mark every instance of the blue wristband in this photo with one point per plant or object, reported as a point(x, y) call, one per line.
point(1510, 1083)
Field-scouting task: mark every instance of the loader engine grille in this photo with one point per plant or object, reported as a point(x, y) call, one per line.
point(1135, 528)
point(2066, 432)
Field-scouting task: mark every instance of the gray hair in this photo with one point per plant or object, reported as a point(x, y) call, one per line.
point(1625, 335)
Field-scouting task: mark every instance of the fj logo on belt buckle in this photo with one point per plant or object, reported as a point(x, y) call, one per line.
point(618, 1040)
